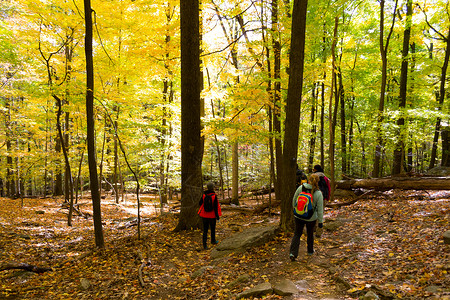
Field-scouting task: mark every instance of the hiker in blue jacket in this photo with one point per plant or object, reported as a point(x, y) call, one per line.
point(313, 185)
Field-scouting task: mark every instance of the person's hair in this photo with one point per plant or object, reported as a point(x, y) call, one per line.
point(313, 180)
point(318, 168)
point(210, 186)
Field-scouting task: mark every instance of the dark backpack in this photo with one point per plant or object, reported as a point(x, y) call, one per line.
point(299, 176)
point(304, 208)
point(208, 203)
point(324, 188)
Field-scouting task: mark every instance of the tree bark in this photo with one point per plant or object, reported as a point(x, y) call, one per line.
point(344, 154)
point(23, 266)
point(399, 151)
point(333, 112)
point(440, 99)
point(380, 116)
point(235, 173)
point(403, 183)
point(313, 129)
point(10, 173)
point(445, 133)
point(95, 194)
point(322, 99)
point(276, 45)
point(69, 189)
point(293, 101)
point(191, 142)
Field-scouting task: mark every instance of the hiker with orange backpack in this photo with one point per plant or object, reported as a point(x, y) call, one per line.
point(308, 208)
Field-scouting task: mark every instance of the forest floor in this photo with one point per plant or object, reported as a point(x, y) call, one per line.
point(389, 243)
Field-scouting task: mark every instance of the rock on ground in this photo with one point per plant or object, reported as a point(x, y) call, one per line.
point(284, 287)
point(248, 238)
point(258, 291)
point(447, 237)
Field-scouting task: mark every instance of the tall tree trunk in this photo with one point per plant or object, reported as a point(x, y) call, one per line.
point(440, 100)
point(271, 92)
point(343, 120)
point(10, 180)
point(100, 179)
point(410, 162)
point(219, 152)
point(333, 112)
point(235, 173)
point(312, 139)
point(191, 142)
point(95, 194)
point(322, 102)
point(399, 151)
point(380, 116)
point(167, 100)
point(67, 176)
point(350, 163)
point(276, 97)
point(116, 164)
point(293, 102)
point(232, 37)
point(445, 146)
point(350, 133)
point(69, 190)
point(58, 189)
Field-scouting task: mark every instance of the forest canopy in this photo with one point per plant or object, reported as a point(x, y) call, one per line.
point(375, 75)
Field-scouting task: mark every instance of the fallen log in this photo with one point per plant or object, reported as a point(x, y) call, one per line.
point(260, 208)
point(350, 202)
point(403, 183)
point(23, 266)
point(262, 191)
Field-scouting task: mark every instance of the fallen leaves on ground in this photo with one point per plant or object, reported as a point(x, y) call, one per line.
point(392, 243)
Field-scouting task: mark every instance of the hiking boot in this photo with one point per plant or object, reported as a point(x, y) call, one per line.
point(292, 257)
point(214, 243)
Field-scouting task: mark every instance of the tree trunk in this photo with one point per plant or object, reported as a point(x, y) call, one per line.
point(403, 183)
point(235, 174)
point(116, 163)
point(322, 104)
point(232, 37)
point(333, 112)
point(399, 151)
point(343, 120)
point(116, 158)
point(313, 129)
point(98, 229)
point(271, 91)
point(276, 98)
point(445, 132)
point(293, 101)
point(409, 154)
point(10, 175)
point(69, 189)
point(191, 142)
point(380, 117)
point(440, 100)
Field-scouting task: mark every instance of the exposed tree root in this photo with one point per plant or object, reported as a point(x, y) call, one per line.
point(23, 266)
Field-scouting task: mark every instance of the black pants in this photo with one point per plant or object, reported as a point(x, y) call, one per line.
point(209, 222)
point(295, 243)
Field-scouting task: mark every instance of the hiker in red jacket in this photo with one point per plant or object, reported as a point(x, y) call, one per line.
point(210, 212)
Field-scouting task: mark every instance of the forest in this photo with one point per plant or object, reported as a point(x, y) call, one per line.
point(126, 108)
